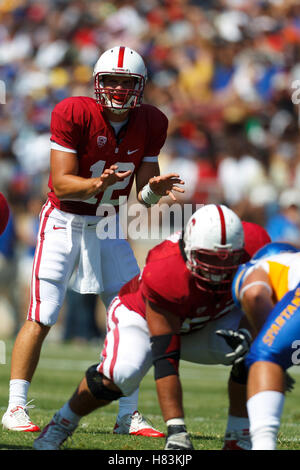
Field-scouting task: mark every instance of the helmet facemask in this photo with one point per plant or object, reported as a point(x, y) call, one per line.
point(214, 270)
point(122, 99)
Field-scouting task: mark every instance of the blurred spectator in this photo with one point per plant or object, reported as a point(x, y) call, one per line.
point(9, 308)
point(284, 226)
point(80, 322)
point(224, 72)
point(239, 169)
point(27, 230)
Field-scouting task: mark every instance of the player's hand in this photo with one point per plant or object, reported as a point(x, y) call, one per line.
point(110, 176)
point(165, 185)
point(239, 341)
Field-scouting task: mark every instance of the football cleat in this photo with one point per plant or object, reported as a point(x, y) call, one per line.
point(178, 438)
point(136, 425)
point(237, 440)
point(17, 419)
point(54, 434)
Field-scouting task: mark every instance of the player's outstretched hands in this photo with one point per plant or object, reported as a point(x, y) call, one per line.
point(110, 176)
point(165, 185)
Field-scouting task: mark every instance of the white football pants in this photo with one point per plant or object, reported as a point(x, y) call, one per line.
point(68, 242)
point(126, 356)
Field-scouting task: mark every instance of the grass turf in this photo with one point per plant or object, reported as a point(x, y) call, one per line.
point(205, 400)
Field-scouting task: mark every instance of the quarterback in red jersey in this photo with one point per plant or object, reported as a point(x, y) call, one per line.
point(173, 309)
point(98, 147)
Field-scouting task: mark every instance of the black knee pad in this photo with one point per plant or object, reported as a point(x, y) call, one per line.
point(95, 383)
point(239, 373)
point(165, 355)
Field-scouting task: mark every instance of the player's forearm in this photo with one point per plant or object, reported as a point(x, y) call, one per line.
point(170, 397)
point(76, 187)
point(257, 308)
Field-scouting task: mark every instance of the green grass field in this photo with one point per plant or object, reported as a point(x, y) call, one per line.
point(205, 399)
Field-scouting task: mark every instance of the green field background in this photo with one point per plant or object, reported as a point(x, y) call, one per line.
point(205, 400)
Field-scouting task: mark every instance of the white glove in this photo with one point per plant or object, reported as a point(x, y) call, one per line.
point(239, 341)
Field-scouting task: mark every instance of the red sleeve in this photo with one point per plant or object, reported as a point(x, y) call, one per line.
point(255, 237)
point(66, 123)
point(158, 126)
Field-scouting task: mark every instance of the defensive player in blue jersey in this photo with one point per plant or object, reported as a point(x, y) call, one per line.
point(268, 289)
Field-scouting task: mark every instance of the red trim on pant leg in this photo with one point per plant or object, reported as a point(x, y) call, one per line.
point(116, 343)
point(29, 314)
point(35, 274)
point(116, 340)
point(104, 356)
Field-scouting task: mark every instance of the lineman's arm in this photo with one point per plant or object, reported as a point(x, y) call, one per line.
point(165, 344)
point(160, 321)
point(256, 298)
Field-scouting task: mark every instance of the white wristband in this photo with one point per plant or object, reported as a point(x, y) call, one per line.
point(148, 196)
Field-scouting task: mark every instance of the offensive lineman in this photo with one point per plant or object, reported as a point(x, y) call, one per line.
point(98, 147)
point(197, 295)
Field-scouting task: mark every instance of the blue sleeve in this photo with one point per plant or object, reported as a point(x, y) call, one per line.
point(238, 282)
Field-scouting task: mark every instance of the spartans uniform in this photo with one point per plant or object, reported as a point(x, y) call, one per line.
point(67, 237)
point(167, 283)
point(274, 343)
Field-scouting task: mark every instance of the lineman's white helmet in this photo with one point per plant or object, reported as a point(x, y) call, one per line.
point(214, 247)
point(120, 61)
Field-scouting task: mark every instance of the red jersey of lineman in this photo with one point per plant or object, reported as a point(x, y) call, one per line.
point(78, 123)
point(167, 282)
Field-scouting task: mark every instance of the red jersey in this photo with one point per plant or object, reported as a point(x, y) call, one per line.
point(167, 282)
point(78, 123)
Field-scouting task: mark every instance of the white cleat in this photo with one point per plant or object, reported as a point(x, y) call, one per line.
point(17, 419)
point(54, 434)
point(136, 425)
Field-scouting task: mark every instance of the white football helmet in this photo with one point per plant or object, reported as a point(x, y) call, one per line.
point(118, 61)
point(214, 247)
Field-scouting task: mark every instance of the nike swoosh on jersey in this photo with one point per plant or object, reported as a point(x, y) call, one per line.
point(57, 228)
point(129, 152)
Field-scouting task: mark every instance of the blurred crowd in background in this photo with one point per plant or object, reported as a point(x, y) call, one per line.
point(225, 72)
